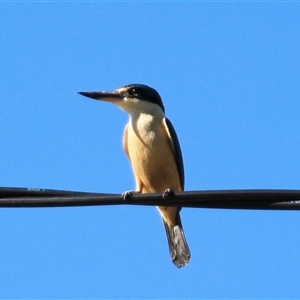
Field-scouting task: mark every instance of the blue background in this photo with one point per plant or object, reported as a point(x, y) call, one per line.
point(229, 77)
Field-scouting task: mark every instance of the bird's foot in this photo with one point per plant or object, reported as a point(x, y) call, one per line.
point(128, 195)
point(168, 194)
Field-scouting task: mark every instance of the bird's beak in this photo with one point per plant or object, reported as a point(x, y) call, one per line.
point(108, 96)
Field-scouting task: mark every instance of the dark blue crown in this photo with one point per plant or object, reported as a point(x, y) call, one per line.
point(144, 92)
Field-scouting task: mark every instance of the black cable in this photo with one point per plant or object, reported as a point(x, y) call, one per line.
point(227, 199)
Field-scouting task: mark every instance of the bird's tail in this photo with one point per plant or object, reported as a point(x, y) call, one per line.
point(178, 247)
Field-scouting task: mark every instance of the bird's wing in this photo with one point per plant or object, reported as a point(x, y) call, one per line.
point(176, 147)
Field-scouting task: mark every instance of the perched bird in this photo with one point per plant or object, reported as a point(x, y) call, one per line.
point(153, 149)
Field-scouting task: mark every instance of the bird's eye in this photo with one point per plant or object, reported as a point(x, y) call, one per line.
point(132, 92)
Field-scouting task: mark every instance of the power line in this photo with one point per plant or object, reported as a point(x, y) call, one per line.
point(226, 199)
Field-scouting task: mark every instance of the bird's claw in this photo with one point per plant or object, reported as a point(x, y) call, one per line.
point(127, 195)
point(168, 194)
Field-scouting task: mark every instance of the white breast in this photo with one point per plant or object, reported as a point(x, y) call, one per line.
point(151, 154)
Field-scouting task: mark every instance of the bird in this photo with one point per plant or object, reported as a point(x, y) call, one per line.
point(152, 147)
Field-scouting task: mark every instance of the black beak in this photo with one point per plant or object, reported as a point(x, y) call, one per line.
point(109, 96)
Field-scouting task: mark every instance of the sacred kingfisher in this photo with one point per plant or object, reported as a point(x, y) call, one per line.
point(153, 149)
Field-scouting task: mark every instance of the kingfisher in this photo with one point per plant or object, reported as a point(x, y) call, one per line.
point(152, 147)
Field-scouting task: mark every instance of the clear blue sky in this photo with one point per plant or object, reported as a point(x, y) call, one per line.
point(229, 76)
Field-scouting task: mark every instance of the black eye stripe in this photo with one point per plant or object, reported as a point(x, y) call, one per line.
point(144, 92)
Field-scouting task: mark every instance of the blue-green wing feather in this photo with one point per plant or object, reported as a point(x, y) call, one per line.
point(178, 154)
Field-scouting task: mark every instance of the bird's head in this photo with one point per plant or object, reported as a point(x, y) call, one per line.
point(131, 98)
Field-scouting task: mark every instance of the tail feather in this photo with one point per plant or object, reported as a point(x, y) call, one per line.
point(178, 247)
